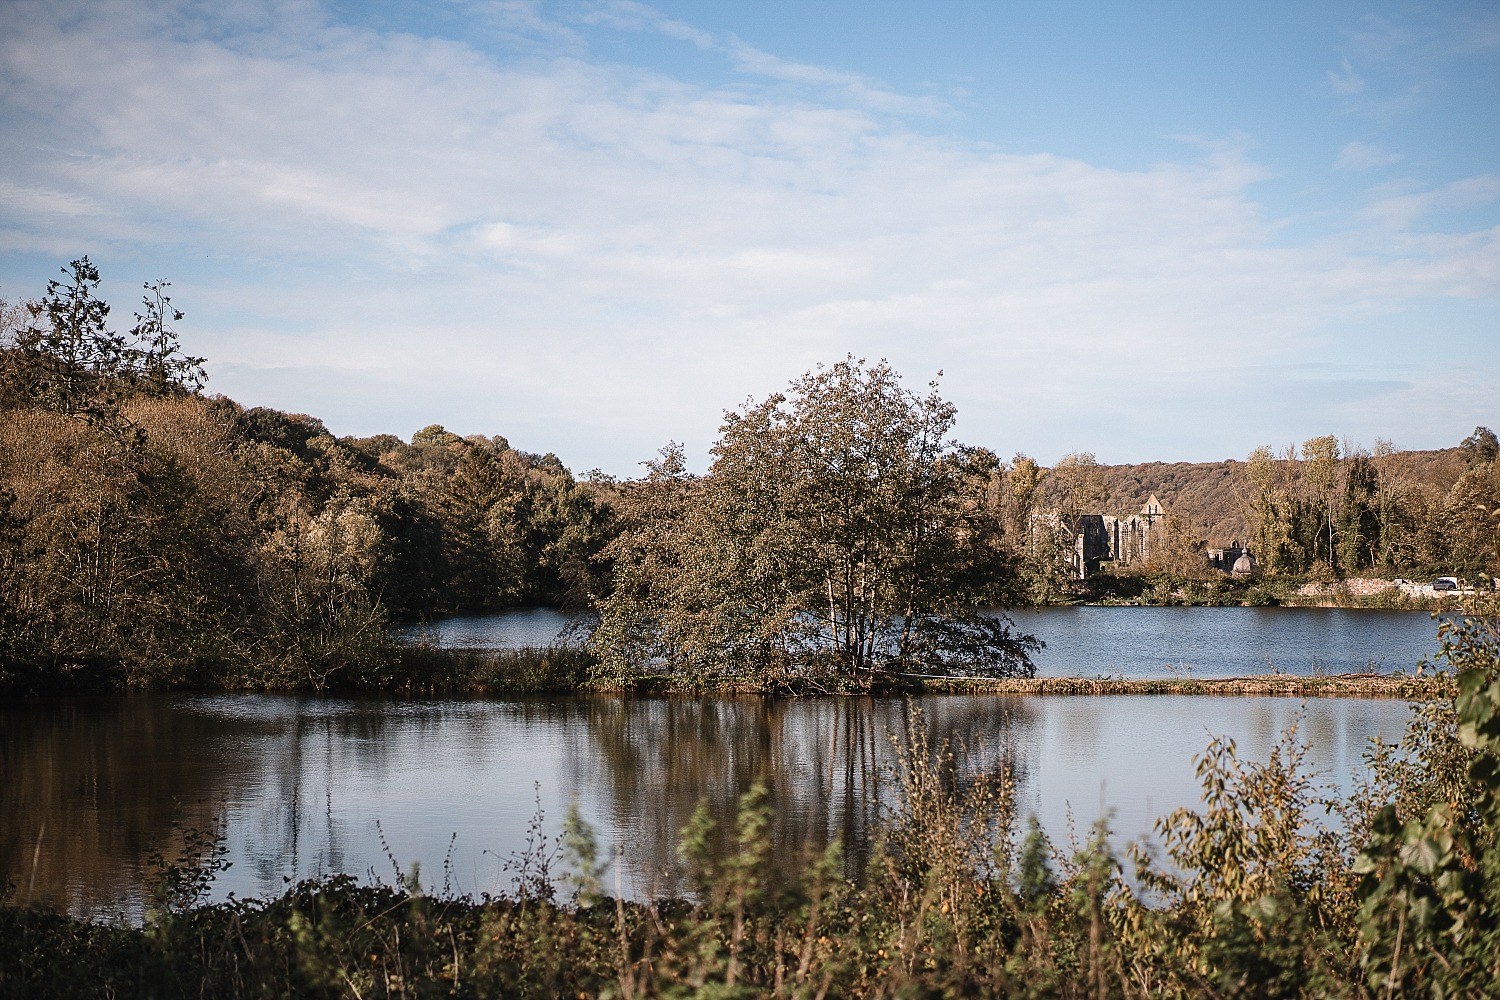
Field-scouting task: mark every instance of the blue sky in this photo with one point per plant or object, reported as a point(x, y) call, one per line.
point(1150, 230)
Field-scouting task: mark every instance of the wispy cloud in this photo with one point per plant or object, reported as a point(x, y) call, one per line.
point(594, 258)
point(1344, 80)
point(1403, 209)
point(1364, 156)
point(627, 15)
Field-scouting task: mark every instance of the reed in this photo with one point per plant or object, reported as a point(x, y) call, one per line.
point(428, 671)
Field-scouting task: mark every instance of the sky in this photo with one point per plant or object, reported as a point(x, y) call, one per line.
point(1151, 230)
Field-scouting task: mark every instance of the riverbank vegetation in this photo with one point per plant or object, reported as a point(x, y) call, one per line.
point(155, 536)
point(1427, 686)
point(1155, 588)
point(1271, 887)
point(1313, 517)
point(428, 672)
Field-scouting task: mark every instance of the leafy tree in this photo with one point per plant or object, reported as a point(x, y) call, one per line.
point(158, 366)
point(1077, 488)
point(1359, 517)
point(1480, 448)
point(1470, 527)
point(837, 531)
point(1273, 510)
point(435, 434)
point(64, 358)
point(1320, 471)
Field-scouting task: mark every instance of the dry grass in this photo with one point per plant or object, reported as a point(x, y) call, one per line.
point(1408, 687)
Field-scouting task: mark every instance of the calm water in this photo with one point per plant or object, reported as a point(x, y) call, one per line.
point(304, 787)
point(1126, 642)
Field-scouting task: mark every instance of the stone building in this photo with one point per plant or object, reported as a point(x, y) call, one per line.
point(1100, 538)
point(1236, 560)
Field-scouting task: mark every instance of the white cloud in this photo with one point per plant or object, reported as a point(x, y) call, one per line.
point(1344, 80)
point(1364, 156)
point(594, 258)
point(627, 15)
point(1400, 209)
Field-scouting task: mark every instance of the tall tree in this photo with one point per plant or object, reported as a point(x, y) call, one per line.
point(66, 356)
point(837, 530)
point(157, 365)
point(1359, 516)
point(1272, 510)
point(1320, 471)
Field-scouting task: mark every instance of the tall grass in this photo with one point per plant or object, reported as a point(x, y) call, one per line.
point(1407, 687)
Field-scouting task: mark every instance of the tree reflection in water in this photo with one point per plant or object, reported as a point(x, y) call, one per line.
point(829, 765)
point(90, 790)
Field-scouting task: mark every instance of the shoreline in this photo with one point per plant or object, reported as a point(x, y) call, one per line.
point(428, 672)
point(1406, 687)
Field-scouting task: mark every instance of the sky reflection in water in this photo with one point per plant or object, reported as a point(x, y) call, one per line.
point(301, 784)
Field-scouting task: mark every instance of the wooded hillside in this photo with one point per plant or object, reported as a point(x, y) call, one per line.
point(1210, 498)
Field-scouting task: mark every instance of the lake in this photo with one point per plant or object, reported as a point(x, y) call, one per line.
point(1116, 642)
point(89, 790)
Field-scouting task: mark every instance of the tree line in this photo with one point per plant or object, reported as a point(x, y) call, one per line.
point(150, 529)
point(1335, 510)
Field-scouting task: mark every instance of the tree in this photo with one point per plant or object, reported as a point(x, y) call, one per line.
point(1469, 524)
point(1320, 458)
point(1272, 509)
point(65, 358)
point(155, 359)
point(1359, 512)
point(1480, 448)
point(836, 532)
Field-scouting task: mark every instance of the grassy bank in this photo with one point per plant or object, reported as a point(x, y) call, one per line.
point(1409, 687)
point(403, 671)
point(1167, 590)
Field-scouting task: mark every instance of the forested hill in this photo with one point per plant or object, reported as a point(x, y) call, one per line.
point(1210, 498)
point(153, 532)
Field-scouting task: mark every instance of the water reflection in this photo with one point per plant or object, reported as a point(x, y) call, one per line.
point(88, 791)
point(829, 766)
